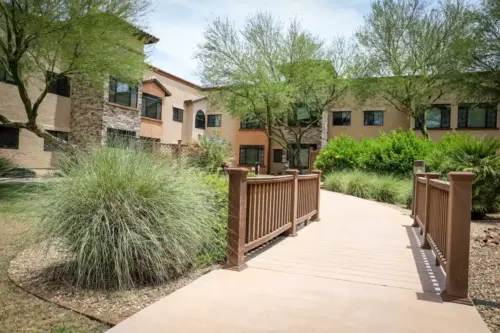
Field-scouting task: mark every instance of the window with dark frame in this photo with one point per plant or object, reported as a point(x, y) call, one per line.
point(199, 121)
point(304, 116)
point(374, 118)
point(477, 116)
point(9, 137)
point(122, 93)
point(214, 120)
point(5, 76)
point(178, 115)
point(438, 116)
point(117, 138)
point(61, 86)
point(277, 155)
point(342, 118)
point(151, 106)
point(251, 154)
point(52, 145)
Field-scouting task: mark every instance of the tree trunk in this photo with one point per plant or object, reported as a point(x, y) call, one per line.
point(269, 154)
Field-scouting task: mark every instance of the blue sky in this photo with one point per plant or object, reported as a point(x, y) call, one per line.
point(180, 24)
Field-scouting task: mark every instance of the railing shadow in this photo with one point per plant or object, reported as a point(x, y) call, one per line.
point(431, 276)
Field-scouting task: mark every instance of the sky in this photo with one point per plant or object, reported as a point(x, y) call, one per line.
point(179, 24)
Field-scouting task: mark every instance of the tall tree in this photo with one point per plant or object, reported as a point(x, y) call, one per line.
point(280, 77)
point(482, 80)
point(42, 41)
point(410, 49)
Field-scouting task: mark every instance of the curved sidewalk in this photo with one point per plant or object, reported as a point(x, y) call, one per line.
point(359, 269)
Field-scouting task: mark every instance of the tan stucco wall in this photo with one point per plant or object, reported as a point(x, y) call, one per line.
point(393, 119)
point(276, 167)
point(54, 114)
point(153, 128)
point(251, 137)
point(173, 131)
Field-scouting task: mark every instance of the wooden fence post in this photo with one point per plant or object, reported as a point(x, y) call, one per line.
point(415, 199)
point(458, 238)
point(237, 211)
point(292, 232)
point(316, 217)
point(428, 176)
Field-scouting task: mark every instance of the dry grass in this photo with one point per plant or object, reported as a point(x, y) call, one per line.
point(20, 311)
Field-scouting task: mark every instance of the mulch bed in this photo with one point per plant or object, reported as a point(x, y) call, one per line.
point(29, 271)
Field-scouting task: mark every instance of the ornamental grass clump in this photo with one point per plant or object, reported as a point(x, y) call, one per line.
point(126, 217)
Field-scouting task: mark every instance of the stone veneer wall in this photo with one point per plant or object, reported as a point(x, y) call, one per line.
point(91, 115)
point(86, 114)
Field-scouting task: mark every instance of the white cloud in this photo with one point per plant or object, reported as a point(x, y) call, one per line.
point(180, 24)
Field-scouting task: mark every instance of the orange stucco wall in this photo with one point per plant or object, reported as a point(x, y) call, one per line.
point(251, 137)
point(153, 128)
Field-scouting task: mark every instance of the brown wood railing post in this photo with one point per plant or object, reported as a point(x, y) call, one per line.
point(292, 232)
point(237, 211)
point(415, 197)
point(428, 176)
point(458, 238)
point(316, 217)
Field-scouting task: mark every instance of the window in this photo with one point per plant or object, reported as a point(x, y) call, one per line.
point(122, 93)
point(303, 155)
point(249, 123)
point(477, 116)
point(199, 121)
point(117, 138)
point(178, 115)
point(6, 77)
point(438, 116)
point(59, 87)
point(151, 107)
point(49, 145)
point(213, 120)
point(303, 116)
point(278, 156)
point(9, 137)
point(374, 118)
point(342, 118)
point(251, 154)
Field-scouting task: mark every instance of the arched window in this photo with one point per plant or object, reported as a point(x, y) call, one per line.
point(200, 120)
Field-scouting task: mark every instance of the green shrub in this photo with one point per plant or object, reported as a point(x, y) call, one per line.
point(341, 153)
point(334, 182)
point(126, 217)
point(477, 155)
point(210, 154)
point(385, 189)
point(10, 170)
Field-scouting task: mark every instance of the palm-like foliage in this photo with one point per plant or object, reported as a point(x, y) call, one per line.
point(477, 155)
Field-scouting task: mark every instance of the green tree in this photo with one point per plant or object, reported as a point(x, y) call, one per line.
point(483, 78)
point(280, 77)
point(42, 41)
point(410, 49)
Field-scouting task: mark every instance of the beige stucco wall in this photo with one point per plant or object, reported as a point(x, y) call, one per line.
point(393, 119)
point(173, 131)
point(54, 114)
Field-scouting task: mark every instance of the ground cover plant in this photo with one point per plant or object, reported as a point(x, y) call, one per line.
point(126, 217)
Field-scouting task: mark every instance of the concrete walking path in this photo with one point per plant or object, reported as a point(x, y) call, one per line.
point(359, 269)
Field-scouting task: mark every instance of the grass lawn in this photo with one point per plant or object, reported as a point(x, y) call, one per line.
point(20, 311)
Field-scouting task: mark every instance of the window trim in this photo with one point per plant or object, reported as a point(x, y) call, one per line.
point(373, 112)
point(56, 134)
point(4, 77)
point(467, 109)
point(60, 87)
point(174, 109)
point(143, 105)
point(259, 148)
point(214, 116)
point(16, 145)
point(280, 152)
point(112, 96)
point(197, 120)
point(437, 106)
point(342, 117)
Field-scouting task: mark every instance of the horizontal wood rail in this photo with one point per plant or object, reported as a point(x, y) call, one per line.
point(442, 211)
point(262, 208)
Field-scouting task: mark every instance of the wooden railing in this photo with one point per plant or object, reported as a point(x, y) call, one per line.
point(262, 208)
point(442, 211)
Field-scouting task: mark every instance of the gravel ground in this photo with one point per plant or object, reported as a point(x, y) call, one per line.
point(29, 270)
